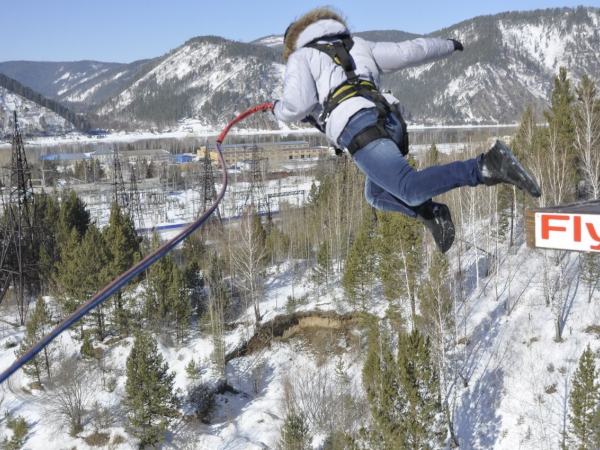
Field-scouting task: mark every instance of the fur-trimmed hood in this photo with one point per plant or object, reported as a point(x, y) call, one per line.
point(296, 29)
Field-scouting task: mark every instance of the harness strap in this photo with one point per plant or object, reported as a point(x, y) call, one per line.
point(339, 51)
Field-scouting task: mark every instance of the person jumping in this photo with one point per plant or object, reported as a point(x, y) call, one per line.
point(332, 80)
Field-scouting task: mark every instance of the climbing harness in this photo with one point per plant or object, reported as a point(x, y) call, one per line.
point(125, 277)
point(339, 51)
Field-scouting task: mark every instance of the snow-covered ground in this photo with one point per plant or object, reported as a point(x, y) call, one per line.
point(509, 389)
point(516, 376)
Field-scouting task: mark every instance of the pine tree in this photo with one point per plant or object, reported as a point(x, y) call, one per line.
point(360, 268)
point(402, 393)
point(435, 298)
point(181, 309)
point(94, 258)
point(20, 428)
point(194, 254)
point(419, 383)
point(124, 247)
point(48, 212)
point(295, 434)
point(39, 324)
point(322, 271)
point(584, 417)
point(193, 281)
point(82, 271)
point(218, 301)
point(159, 282)
point(149, 401)
point(399, 249)
point(587, 134)
point(73, 214)
point(192, 370)
point(69, 273)
point(381, 385)
point(278, 245)
point(589, 271)
point(561, 164)
point(431, 157)
point(87, 349)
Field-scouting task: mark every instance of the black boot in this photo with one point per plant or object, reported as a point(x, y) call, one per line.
point(499, 165)
point(436, 217)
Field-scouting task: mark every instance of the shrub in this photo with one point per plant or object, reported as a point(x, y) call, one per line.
point(97, 439)
point(118, 439)
point(111, 384)
point(191, 369)
point(203, 399)
point(19, 427)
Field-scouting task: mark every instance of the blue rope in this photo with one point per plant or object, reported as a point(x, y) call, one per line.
point(119, 282)
point(125, 277)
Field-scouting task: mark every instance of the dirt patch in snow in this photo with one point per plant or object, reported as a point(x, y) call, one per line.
point(305, 323)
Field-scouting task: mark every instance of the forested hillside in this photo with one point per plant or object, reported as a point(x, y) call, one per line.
point(508, 64)
point(79, 85)
point(14, 86)
point(307, 332)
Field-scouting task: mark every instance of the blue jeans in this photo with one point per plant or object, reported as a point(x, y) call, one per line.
point(392, 184)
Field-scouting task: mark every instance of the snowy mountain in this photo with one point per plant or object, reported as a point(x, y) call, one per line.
point(275, 42)
point(33, 119)
point(508, 63)
point(208, 77)
point(80, 84)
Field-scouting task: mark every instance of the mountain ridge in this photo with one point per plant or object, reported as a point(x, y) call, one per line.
point(509, 63)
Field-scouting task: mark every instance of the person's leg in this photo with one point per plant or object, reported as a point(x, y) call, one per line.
point(381, 199)
point(385, 166)
point(435, 216)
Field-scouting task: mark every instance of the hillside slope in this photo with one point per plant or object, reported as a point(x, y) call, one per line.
point(508, 63)
point(34, 120)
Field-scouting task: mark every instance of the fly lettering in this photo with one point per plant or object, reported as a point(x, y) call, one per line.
point(559, 223)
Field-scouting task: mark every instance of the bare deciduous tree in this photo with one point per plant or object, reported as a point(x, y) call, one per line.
point(248, 252)
point(587, 134)
point(70, 393)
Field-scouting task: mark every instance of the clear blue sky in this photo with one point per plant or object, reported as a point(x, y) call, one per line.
point(129, 30)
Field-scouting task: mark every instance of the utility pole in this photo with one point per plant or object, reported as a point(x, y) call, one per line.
point(208, 193)
point(119, 194)
point(257, 193)
point(18, 260)
point(135, 204)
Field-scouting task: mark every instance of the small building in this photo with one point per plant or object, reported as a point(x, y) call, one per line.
point(65, 158)
point(275, 153)
point(106, 155)
point(184, 158)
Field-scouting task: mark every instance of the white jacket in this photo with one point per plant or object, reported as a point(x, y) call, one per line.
point(311, 75)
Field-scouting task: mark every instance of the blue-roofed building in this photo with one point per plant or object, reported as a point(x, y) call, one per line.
point(66, 157)
point(184, 158)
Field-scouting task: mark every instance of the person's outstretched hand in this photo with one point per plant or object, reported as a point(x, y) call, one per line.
point(457, 45)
